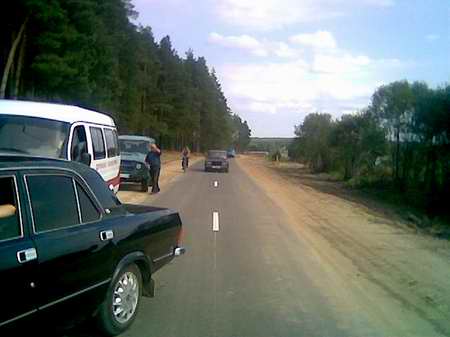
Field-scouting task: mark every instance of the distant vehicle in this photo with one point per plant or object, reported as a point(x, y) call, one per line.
point(231, 153)
point(217, 160)
point(133, 168)
point(70, 250)
point(61, 131)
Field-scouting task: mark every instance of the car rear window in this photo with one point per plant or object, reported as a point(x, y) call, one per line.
point(217, 154)
point(89, 212)
point(53, 202)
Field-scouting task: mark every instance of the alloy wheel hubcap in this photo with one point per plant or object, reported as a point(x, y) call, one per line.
point(125, 297)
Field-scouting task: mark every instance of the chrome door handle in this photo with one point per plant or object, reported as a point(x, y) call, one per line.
point(106, 235)
point(26, 255)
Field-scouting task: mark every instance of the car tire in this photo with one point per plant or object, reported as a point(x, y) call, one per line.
point(144, 186)
point(109, 319)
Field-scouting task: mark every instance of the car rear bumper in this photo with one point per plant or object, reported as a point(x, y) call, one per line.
point(133, 177)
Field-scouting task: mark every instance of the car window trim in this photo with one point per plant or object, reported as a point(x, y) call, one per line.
point(25, 176)
point(70, 141)
point(19, 208)
point(74, 185)
point(56, 168)
point(76, 197)
point(99, 212)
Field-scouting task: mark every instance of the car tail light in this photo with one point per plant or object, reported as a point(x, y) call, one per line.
point(180, 236)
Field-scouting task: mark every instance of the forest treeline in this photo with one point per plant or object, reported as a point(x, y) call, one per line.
point(90, 53)
point(401, 142)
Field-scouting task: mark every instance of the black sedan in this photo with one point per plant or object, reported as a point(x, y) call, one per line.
point(70, 250)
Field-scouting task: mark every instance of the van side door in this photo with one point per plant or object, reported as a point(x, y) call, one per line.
point(78, 144)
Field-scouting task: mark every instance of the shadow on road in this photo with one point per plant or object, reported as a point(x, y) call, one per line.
point(86, 329)
point(131, 187)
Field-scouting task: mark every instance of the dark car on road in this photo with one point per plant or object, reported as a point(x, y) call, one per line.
point(69, 249)
point(133, 168)
point(217, 160)
point(231, 153)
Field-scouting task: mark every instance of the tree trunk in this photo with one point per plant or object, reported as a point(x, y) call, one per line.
point(18, 72)
point(10, 59)
point(397, 154)
point(432, 197)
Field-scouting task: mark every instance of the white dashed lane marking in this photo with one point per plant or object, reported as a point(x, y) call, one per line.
point(216, 183)
point(215, 225)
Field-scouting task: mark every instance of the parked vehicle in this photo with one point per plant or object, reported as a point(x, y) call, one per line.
point(133, 168)
point(61, 131)
point(69, 248)
point(231, 153)
point(217, 160)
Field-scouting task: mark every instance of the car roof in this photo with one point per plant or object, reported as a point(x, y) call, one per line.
point(58, 112)
point(95, 181)
point(19, 161)
point(132, 137)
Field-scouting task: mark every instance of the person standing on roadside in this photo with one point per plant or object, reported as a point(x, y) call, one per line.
point(185, 157)
point(153, 159)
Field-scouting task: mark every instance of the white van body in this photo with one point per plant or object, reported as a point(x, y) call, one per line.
point(61, 131)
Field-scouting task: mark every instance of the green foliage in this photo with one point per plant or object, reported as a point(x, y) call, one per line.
point(270, 145)
point(313, 137)
point(401, 141)
point(89, 53)
point(241, 135)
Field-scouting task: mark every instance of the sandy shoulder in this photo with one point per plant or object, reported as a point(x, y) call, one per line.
point(398, 280)
point(170, 171)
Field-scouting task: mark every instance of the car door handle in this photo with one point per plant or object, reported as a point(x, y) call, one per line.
point(26, 255)
point(106, 235)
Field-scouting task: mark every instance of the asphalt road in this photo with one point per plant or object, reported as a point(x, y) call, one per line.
point(249, 278)
point(255, 273)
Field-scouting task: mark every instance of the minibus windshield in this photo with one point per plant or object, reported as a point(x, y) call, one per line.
point(33, 136)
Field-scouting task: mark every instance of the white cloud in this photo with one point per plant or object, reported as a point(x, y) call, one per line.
point(320, 39)
point(254, 46)
point(275, 14)
point(269, 14)
point(339, 64)
point(242, 42)
point(432, 37)
point(331, 82)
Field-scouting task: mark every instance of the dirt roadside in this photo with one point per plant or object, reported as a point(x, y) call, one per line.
point(367, 263)
point(170, 171)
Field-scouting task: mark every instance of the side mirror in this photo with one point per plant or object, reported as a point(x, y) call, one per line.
point(86, 158)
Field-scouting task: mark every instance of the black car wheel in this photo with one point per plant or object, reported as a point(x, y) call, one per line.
point(144, 185)
point(120, 307)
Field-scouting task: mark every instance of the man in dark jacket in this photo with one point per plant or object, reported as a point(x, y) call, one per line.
point(153, 159)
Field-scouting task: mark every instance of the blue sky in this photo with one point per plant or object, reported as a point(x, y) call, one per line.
point(279, 60)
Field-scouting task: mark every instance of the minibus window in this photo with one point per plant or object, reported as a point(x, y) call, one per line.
point(98, 143)
point(111, 144)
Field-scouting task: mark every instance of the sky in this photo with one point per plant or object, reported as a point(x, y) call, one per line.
point(278, 60)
